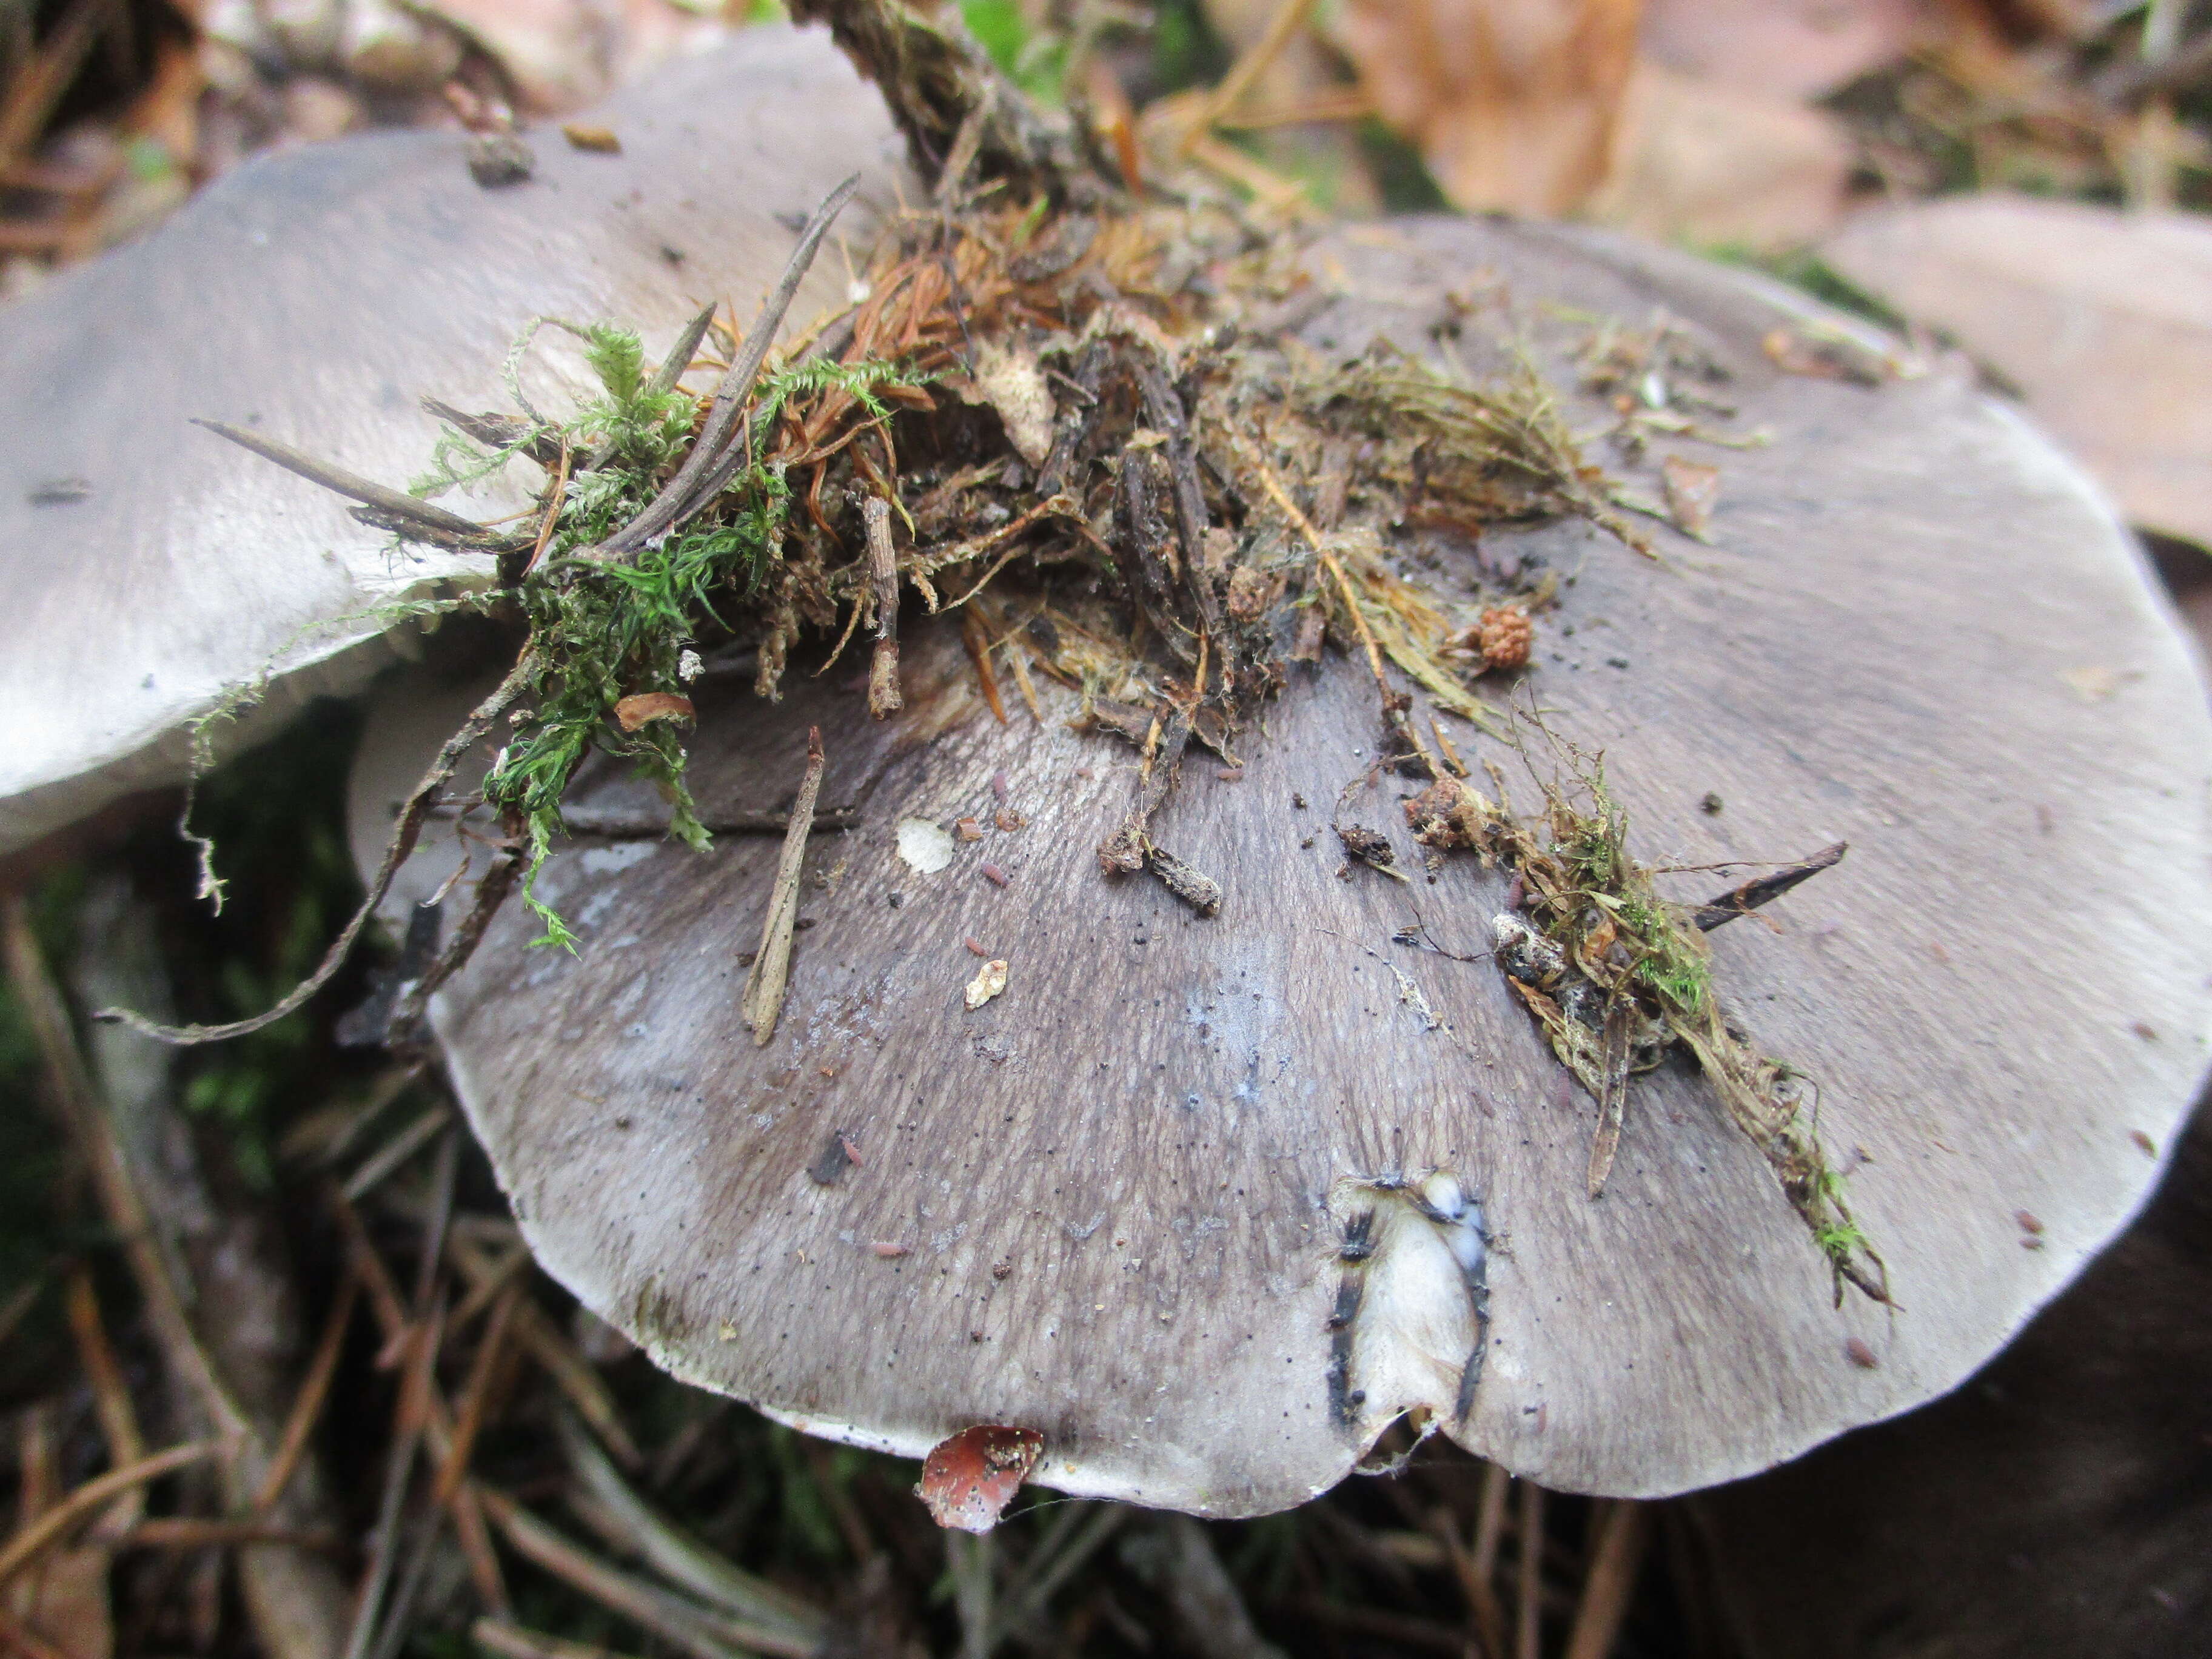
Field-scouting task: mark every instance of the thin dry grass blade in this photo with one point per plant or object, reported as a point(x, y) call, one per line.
point(681, 1622)
point(476, 1392)
point(776, 1621)
point(315, 1388)
point(514, 1641)
point(1611, 1580)
point(118, 1420)
point(396, 1152)
point(89, 1498)
point(1528, 1608)
point(71, 1084)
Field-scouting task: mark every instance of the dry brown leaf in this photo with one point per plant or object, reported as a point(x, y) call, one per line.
point(1699, 162)
point(968, 1480)
point(2102, 319)
point(1013, 384)
point(1790, 49)
point(1511, 102)
point(639, 707)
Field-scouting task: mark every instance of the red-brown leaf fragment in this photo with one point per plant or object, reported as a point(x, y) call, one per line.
point(968, 1480)
point(641, 707)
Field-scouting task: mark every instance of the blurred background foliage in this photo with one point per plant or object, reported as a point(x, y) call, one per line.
point(1995, 174)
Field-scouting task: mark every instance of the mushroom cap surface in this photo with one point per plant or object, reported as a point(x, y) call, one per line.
point(1114, 1199)
point(151, 568)
point(2055, 1505)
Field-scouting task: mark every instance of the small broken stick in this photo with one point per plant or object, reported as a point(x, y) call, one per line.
point(1130, 848)
point(764, 986)
point(883, 696)
point(389, 502)
point(1742, 901)
point(1193, 886)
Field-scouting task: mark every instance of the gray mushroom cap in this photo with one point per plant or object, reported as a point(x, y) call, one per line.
point(314, 295)
point(2056, 1505)
point(1111, 1205)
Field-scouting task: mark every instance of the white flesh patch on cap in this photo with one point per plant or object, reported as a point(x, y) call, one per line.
point(925, 846)
point(1412, 1310)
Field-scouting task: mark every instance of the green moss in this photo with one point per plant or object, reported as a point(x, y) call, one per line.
point(602, 630)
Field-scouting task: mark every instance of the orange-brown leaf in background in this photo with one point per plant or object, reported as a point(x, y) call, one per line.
point(1790, 49)
point(1707, 162)
point(1511, 102)
point(2102, 319)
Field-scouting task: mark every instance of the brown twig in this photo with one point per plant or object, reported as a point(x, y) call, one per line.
point(514, 1642)
point(764, 986)
point(976, 637)
point(70, 1085)
point(682, 494)
point(418, 1405)
point(190, 1532)
point(411, 1418)
point(483, 1292)
point(391, 1316)
point(367, 491)
point(614, 824)
point(580, 1385)
point(410, 1014)
point(883, 696)
point(1742, 901)
point(1476, 1564)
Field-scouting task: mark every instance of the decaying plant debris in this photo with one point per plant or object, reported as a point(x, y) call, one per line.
point(1617, 977)
point(1078, 414)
